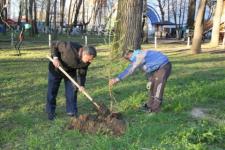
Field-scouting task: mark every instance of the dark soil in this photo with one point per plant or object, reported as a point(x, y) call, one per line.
point(110, 124)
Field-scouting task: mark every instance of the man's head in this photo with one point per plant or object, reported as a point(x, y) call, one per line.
point(127, 55)
point(88, 54)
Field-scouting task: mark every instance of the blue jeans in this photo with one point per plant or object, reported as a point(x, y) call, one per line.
point(70, 92)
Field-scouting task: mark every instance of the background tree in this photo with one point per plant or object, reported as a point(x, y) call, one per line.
point(162, 5)
point(62, 7)
point(216, 23)
point(191, 14)
point(47, 18)
point(128, 26)
point(26, 10)
point(69, 14)
point(178, 10)
point(3, 14)
point(35, 30)
point(198, 30)
point(78, 6)
point(145, 23)
point(30, 16)
point(168, 10)
point(20, 12)
point(97, 7)
point(54, 20)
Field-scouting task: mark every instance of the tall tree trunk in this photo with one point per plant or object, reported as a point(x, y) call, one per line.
point(5, 12)
point(20, 13)
point(77, 12)
point(54, 20)
point(83, 15)
point(191, 14)
point(47, 19)
point(73, 12)
point(62, 7)
point(168, 10)
point(183, 14)
point(197, 39)
point(35, 29)
point(128, 26)
point(84, 22)
point(96, 10)
point(42, 10)
point(174, 10)
point(216, 23)
point(161, 5)
point(26, 10)
point(30, 16)
point(69, 13)
point(145, 23)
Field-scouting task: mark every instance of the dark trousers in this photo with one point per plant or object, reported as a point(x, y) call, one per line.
point(158, 82)
point(70, 92)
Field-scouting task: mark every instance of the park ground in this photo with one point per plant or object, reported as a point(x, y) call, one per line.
point(192, 116)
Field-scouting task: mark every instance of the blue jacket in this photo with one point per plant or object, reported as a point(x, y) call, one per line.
point(148, 60)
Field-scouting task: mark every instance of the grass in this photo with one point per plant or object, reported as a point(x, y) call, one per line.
point(196, 81)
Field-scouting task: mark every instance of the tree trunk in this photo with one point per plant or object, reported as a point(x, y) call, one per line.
point(47, 19)
point(197, 39)
point(5, 12)
point(84, 22)
point(20, 13)
point(96, 10)
point(30, 16)
point(62, 7)
point(174, 10)
point(73, 11)
point(77, 13)
point(69, 13)
point(54, 21)
point(191, 14)
point(26, 10)
point(128, 26)
point(161, 5)
point(42, 10)
point(216, 23)
point(168, 10)
point(145, 23)
point(35, 29)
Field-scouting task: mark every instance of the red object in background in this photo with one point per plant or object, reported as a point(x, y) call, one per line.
point(11, 22)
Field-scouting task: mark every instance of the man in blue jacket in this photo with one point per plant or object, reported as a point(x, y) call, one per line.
point(157, 67)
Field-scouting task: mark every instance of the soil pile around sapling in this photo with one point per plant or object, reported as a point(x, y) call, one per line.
point(112, 124)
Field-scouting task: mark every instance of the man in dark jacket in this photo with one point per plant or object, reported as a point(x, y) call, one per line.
point(74, 59)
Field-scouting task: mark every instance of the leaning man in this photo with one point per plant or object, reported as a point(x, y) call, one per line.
point(158, 68)
point(74, 59)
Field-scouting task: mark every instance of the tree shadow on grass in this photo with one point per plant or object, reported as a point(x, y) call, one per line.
point(217, 52)
point(197, 60)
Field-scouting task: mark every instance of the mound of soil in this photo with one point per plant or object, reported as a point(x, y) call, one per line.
point(111, 124)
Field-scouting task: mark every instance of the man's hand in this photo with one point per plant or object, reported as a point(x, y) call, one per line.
point(56, 62)
point(81, 89)
point(113, 81)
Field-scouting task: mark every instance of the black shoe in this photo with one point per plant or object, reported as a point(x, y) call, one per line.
point(51, 116)
point(72, 114)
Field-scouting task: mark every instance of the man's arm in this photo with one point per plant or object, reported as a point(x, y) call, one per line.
point(55, 49)
point(82, 72)
point(132, 67)
point(55, 53)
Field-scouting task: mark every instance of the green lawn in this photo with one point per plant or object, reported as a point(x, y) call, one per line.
point(197, 81)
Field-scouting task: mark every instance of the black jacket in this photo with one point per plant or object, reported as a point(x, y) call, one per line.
point(69, 55)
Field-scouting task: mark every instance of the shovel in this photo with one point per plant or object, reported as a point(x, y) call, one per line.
point(101, 108)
